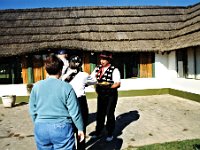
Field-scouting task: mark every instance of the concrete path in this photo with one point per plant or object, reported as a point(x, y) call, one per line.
point(139, 121)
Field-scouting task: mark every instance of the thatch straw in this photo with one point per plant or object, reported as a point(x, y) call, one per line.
point(119, 29)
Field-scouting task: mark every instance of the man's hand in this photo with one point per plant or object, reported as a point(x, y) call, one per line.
point(81, 136)
point(116, 85)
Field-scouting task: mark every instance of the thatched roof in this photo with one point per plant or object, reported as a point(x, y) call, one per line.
point(116, 29)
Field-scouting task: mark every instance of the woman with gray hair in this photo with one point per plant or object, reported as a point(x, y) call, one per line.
point(54, 109)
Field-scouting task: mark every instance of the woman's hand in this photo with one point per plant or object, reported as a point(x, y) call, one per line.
point(81, 136)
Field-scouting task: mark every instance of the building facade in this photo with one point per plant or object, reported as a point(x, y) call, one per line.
point(153, 47)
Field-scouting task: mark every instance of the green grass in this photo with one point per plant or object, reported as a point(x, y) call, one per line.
point(19, 99)
point(129, 93)
point(177, 145)
point(93, 95)
point(187, 95)
point(143, 92)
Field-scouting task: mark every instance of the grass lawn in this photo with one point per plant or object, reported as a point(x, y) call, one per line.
point(20, 99)
point(178, 145)
point(92, 95)
point(25, 99)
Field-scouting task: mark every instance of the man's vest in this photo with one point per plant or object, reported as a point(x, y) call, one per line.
point(106, 77)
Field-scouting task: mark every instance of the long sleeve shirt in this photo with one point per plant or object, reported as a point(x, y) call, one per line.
point(80, 81)
point(53, 100)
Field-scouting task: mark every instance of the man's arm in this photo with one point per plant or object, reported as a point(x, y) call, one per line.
point(116, 79)
point(91, 80)
point(116, 85)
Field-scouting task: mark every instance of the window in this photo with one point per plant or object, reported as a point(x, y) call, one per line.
point(188, 63)
point(10, 72)
point(5, 73)
point(181, 56)
point(197, 63)
point(130, 64)
point(135, 65)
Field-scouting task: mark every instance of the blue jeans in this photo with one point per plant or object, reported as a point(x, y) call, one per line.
point(54, 136)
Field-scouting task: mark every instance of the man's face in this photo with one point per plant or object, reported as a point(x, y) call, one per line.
point(104, 62)
point(63, 56)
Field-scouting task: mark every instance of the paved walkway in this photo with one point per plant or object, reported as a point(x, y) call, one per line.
point(139, 121)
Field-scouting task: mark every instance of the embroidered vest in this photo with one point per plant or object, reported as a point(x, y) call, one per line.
point(107, 77)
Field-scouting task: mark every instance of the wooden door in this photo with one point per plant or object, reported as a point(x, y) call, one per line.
point(37, 68)
point(24, 62)
point(146, 65)
point(86, 62)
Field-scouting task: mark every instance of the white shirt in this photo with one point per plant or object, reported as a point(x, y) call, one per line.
point(65, 66)
point(116, 77)
point(79, 81)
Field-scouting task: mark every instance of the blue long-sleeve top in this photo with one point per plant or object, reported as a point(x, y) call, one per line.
point(53, 100)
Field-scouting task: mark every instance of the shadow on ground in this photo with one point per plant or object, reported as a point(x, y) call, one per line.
point(122, 121)
point(20, 104)
point(91, 118)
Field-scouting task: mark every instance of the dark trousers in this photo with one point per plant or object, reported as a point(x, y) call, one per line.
point(106, 104)
point(84, 111)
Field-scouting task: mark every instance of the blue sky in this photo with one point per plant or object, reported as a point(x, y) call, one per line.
point(21, 4)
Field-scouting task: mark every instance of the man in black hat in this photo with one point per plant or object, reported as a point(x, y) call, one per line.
point(108, 78)
point(63, 55)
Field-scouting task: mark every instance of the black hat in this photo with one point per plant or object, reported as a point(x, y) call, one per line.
point(62, 51)
point(75, 62)
point(106, 55)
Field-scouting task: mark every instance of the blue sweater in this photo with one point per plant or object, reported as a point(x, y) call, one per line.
point(53, 100)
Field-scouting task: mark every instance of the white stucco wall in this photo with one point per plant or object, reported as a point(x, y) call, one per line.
point(191, 64)
point(161, 66)
point(165, 77)
point(183, 84)
point(13, 89)
point(172, 70)
point(188, 85)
